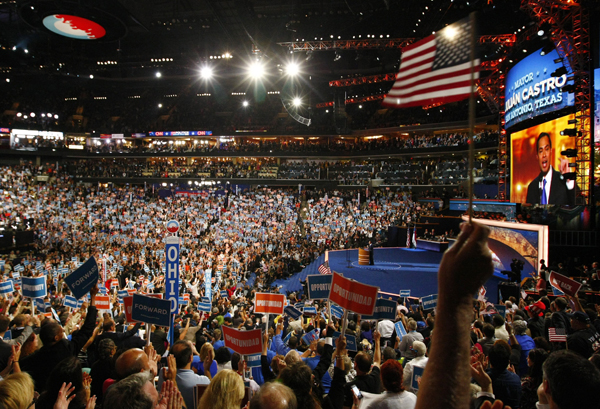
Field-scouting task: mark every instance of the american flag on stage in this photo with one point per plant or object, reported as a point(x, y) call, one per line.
point(436, 69)
point(324, 268)
point(408, 237)
point(557, 335)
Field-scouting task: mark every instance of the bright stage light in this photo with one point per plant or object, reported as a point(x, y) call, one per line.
point(206, 73)
point(256, 70)
point(292, 69)
point(297, 102)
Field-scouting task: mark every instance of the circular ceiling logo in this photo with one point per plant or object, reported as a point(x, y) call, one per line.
point(172, 226)
point(74, 27)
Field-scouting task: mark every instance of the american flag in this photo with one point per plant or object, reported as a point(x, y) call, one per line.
point(557, 335)
point(436, 69)
point(324, 268)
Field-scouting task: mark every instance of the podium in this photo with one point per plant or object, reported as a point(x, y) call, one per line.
point(363, 257)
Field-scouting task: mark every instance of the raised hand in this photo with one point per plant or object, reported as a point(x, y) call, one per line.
point(64, 396)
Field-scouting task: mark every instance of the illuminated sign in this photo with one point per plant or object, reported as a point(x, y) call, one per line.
point(531, 90)
point(4, 130)
point(138, 135)
point(74, 27)
point(181, 133)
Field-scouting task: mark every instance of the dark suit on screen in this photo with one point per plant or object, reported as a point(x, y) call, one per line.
point(560, 195)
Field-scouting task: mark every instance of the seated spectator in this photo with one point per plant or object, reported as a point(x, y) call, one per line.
point(67, 371)
point(506, 384)
point(526, 343)
point(394, 396)
point(103, 367)
point(367, 379)
point(531, 382)
point(274, 395)
point(420, 361)
point(16, 391)
point(137, 391)
point(226, 390)
point(206, 351)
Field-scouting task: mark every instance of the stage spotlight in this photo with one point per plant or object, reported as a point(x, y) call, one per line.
point(245, 104)
point(292, 69)
point(206, 73)
point(337, 57)
point(158, 74)
point(547, 49)
point(256, 70)
point(297, 102)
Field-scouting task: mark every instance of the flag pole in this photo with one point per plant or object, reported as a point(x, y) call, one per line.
point(471, 113)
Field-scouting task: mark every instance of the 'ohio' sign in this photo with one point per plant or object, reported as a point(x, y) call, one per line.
point(172, 272)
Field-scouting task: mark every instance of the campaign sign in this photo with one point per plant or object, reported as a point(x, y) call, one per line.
point(565, 284)
point(350, 341)
point(501, 309)
point(70, 301)
point(103, 302)
point(151, 310)
point(243, 342)
point(299, 305)
point(39, 304)
point(337, 311)
point(122, 293)
point(267, 303)
point(224, 294)
point(127, 305)
point(83, 279)
point(429, 302)
point(204, 307)
point(7, 335)
point(172, 226)
point(292, 312)
point(384, 310)
point(557, 292)
point(252, 361)
point(310, 337)
point(310, 311)
point(34, 287)
point(400, 330)
point(352, 295)
point(172, 273)
point(205, 300)
point(416, 377)
point(183, 301)
point(319, 286)
point(7, 287)
point(404, 293)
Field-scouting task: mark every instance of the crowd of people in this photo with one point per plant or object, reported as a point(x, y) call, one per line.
point(246, 241)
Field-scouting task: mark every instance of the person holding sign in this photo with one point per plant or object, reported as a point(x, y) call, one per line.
point(57, 347)
point(368, 379)
point(465, 267)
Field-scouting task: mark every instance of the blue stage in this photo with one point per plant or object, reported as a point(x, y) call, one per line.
point(395, 269)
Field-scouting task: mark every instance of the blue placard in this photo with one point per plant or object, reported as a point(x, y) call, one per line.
point(292, 312)
point(287, 337)
point(416, 377)
point(81, 281)
point(224, 294)
point(7, 335)
point(183, 301)
point(319, 286)
point(384, 310)
point(102, 290)
point(337, 311)
point(151, 310)
point(70, 301)
point(204, 307)
point(501, 309)
point(252, 361)
point(34, 287)
point(172, 272)
point(429, 302)
point(310, 337)
point(7, 287)
point(531, 90)
point(350, 341)
point(404, 293)
point(39, 305)
point(310, 311)
point(122, 293)
point(299, 305)
point(400, 330)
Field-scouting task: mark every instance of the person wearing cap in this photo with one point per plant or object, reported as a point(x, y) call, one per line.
point(584, 340)
point(526, 343)
point(536, 321)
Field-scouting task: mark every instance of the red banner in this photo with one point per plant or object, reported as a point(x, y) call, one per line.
point(564, 284)
point(266, 303)
point(103, 302)
point(243, 342)
point(352, 295)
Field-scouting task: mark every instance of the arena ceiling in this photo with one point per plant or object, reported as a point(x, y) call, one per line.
point(178, 36)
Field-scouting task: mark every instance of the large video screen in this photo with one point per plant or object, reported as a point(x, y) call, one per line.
point(537, 165)
point(531, 90)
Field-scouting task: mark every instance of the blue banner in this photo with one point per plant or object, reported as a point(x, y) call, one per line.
point(310, 311)
point(400, 330)
point(337, 311)
point(151, 310)
point(429, 302)
point(172, 272)
point(292, 312)
point(208, 284)
point(384, 310)
point(34, 287)
point(253, 361)
point(81, 281)
point(319, 286)
point(204, 307)
point(70, 301)
point(7, 287)
point(404, 293)
point(350, 341)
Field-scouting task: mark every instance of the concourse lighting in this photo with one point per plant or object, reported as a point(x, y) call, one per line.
point(256, 70)
point(292, 69)
point(55, 116)
point(32, 114)
point(158, 74)
point(245, 103)
point(206, 73)
point(160, 105)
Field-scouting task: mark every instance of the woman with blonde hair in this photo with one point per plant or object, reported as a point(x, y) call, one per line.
point(225, 391)
point(16, 391)
point(205, 351)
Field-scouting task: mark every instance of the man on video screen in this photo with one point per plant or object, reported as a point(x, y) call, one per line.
point(550, 186)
